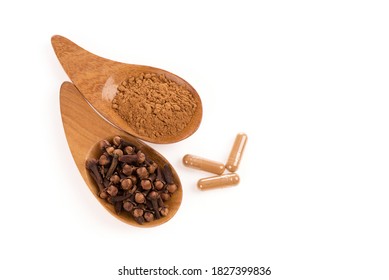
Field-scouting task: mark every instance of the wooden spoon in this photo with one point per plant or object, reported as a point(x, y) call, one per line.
point(84, 129)
point(97, 79)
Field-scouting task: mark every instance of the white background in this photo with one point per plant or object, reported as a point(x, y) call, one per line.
point(306, 80)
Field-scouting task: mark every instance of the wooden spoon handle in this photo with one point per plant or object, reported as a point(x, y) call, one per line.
point(86, 70)
point(83, 126)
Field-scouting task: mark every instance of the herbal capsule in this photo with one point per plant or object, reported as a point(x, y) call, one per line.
point(203, 164)
point(214, 182)
point(236, 152)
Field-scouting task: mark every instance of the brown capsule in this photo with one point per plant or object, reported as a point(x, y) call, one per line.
point(236, 152)
point(214, 182)
point(203, 164)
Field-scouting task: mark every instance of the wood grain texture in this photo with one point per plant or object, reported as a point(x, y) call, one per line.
point(97, 79)
point(84, 129)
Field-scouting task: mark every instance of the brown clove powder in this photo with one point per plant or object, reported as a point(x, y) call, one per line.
point(154, 105)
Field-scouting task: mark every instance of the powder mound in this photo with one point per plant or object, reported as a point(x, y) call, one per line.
point(154, 105)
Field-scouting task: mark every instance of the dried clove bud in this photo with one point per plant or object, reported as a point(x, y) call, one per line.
point(98, 183)
point(140, 197)
point(148, 216)
point(152, 167)
point(109, 150)
point(146, 184)
point(91, 164)
point(158, 185)
point(168, 174)
point(160, 176)
point(126, 184)
point(137, 213)
point(115, 179)
point(116, 153)
point(126, 144)
point(152, 177)
point(140, 157)
point(104, 144)
point(103, 195)
point(121, 198)
point(102, 170)
point(129, 150)
point(142, 172)
point(94, 172)
point(165, 196)
point(112, 190)
point(117, 140)
point(128, 206)
point(160, 201)
point(133, 179)
point(164, 211)
point(118, 207)
point(171, 188)
point(153, 196)
point(127, 169)
point(130, 159)
point(104, 160)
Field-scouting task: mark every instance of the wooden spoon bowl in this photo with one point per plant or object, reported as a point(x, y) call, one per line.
point(84, 129)
point(97, 79)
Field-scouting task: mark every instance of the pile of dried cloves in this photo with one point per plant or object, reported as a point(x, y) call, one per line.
point(132, 182)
